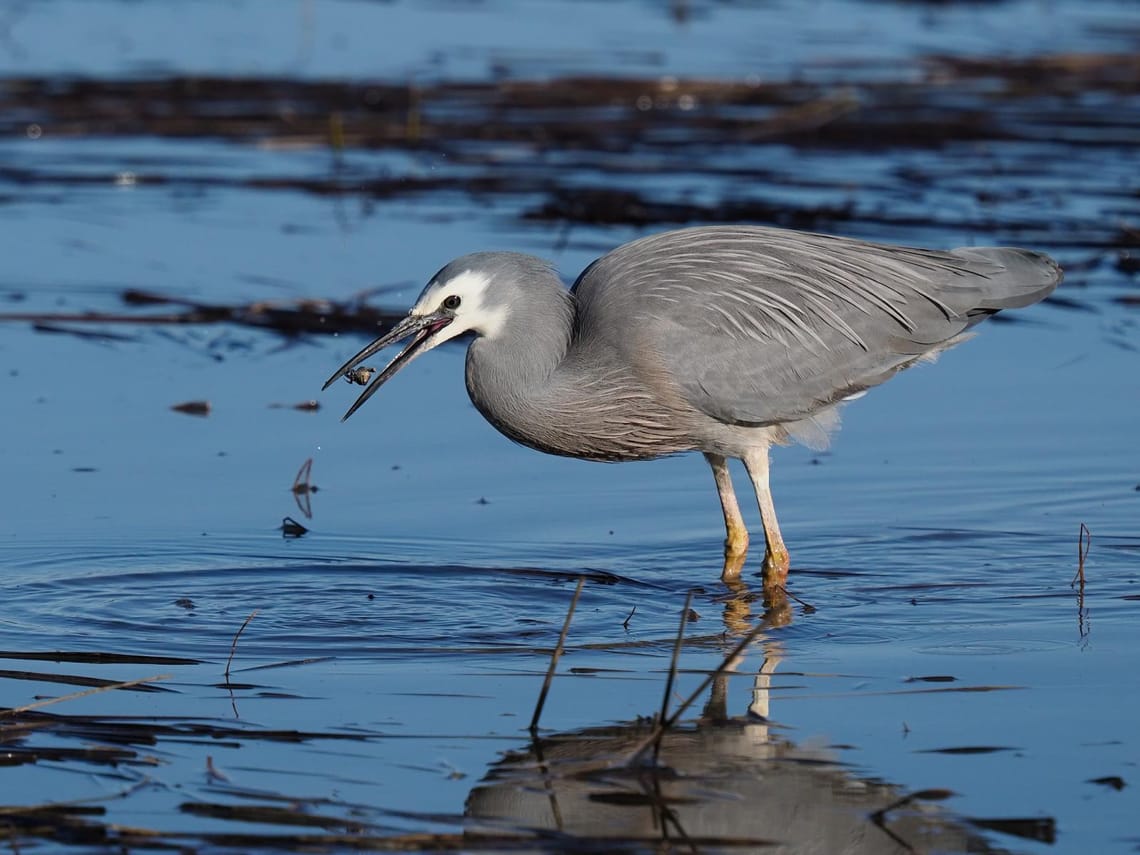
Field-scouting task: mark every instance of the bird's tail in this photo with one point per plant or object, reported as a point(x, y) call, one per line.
point(1015, 277)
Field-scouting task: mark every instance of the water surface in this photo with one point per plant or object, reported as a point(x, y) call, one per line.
point(938, 682)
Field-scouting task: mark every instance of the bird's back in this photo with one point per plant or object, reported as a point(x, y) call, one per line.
point(762, 326)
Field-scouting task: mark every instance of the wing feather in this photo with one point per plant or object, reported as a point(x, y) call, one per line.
point(761, 326)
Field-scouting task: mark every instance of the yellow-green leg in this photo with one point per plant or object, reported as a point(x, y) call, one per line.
point(776, 560)
point(736, 532)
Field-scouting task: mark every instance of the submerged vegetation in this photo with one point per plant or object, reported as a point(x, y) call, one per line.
point(1035, 151)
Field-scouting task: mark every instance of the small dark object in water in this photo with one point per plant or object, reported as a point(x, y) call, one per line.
point(808, 608)
point(968, 749)
point(1113, 781)
point(291, 528)
point(301, 483)
point(193, 408)
point(302, 488)
point(233, 646)
point(934, 678)
point(1084, 543)
point(360, 376)
point(303, 406)
point(1128, 262)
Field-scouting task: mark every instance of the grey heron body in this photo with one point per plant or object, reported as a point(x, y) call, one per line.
point(722, 339)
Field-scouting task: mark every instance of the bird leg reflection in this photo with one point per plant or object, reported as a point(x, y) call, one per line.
point(737, 621)
point(738, 618)
point(762, 687)
point(736, 532)
point(776, 561)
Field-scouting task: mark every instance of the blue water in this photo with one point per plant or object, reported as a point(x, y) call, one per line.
point(358, 38)
point(937, 537)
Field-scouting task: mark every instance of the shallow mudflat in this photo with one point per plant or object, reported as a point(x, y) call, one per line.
point(210, 211)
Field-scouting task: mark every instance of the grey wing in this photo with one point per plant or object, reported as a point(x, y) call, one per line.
point(760, 326)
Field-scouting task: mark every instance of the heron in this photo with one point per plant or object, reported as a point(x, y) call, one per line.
point(725, 340)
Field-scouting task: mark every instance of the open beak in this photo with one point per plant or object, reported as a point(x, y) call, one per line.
point(423, 328)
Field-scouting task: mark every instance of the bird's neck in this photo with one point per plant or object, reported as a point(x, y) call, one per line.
point(509, 375)
point(537, 384)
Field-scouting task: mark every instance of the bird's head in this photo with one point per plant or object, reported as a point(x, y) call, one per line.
point(471, 294)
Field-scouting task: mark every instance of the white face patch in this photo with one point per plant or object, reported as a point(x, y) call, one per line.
point(472, 313)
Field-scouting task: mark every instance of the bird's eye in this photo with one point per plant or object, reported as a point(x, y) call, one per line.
point(451, 302)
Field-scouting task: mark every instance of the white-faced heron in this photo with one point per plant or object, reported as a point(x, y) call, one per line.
point(722, 339)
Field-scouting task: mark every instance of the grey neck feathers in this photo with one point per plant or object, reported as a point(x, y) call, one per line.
point(542, 387)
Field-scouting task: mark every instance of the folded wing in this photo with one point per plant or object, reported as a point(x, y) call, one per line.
point(759, 326)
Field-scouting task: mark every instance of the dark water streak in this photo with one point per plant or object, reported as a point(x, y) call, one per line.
point(565, 141)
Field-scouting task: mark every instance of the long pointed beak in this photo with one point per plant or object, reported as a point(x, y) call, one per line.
point(423, 328)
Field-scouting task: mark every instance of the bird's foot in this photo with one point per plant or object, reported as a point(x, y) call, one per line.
point(735, 551)
point(776, 566)
point(733, 563)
